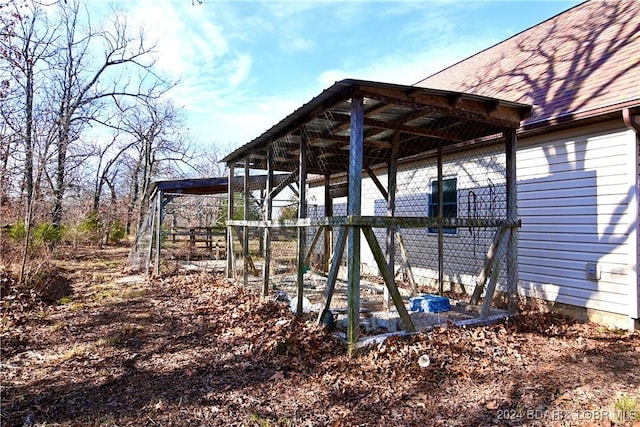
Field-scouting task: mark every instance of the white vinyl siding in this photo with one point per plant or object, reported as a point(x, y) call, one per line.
point(573, 199)
point(575, 191)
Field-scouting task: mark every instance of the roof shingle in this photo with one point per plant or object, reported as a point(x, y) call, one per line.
point(584, 59)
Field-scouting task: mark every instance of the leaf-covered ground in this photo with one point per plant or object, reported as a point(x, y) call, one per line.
point(194, 350)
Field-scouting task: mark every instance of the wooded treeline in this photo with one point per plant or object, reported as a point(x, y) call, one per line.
point(86, 122)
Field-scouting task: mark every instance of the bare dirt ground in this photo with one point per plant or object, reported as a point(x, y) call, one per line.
point(192, 349)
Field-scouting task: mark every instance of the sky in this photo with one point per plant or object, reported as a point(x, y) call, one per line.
point(242, 66)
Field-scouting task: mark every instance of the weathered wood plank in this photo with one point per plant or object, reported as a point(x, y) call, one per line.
point(292, 177)
point(268, 212)
point(512, 195)
point(302, 213)
point(151, 236)
point(377, 182)
point(333, 271)
point(158, 238)
point(493, 280)
point(382, 222)
point(486, 268)
point(328, 211)
point(406, 264)
point(245, 229)
point(387, 275)
point(230, 198)
point(314, 242)
point(250, 265)
point(353, 209)
point(392, 180)
point(440, 228)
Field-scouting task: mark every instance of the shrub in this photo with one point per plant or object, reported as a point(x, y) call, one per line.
point(42, 234)
point(18, 231)
point(92, 226)
point(117, 232)
point(46, 234)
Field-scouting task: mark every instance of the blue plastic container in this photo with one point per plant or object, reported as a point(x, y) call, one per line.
point(429, 303)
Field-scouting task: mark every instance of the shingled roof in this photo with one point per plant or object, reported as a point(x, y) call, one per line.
point(581, 63)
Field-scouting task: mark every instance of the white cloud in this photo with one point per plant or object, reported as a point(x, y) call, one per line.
point(240, 121)
point(242, 66)
point(405, 68)
point(329, 77)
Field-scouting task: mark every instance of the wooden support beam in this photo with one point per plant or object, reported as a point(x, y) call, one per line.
point(382, 222)
point(408, 129)
point(354, 209)
point(465, 108)
point(284, 183)
point(486, 268)
point(392, 180)
point(440, 228)
point(151, 234)
point(293, 190)
point(512, 214)
point(239, 237)
point(314, 242)
point(377, 182)
point(230, 199)
point(158, 238)
point(328, 212)
point(245, 229)
point(406, 264)
point(387, 275)
point(493, 280)
point(268, 213)
point(302, 213)
point(333, 271)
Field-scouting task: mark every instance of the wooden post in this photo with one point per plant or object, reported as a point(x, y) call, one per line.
point(512, 214)
point(356, 137)
point(493, 279)
point(151, 229)
point(159, 207)
point(328, 212)
point(392, 180)
point(440, 230)
point(268, 206)
point(230, 197)
point(404, 254)
point(488, 264)
point(245, 229)
point(387, 275)
point(302, 213)
point(333, 272)
point(314, 242)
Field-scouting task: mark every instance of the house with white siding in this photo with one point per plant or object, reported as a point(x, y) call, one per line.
point(578, 153)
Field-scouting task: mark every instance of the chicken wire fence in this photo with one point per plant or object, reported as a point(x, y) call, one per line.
point(193, 230)
point(427, 257)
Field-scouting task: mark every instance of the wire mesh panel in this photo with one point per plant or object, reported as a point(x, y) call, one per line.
point(474, 188)
point(194, 227)
point(428, 177)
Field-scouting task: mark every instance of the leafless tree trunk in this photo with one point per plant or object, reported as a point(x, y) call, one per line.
point(24, 52)
point(84, 89)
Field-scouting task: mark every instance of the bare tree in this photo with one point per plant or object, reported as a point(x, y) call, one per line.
point(159, 151)
point(208, 163)
point(23, 56)
point(86, 82)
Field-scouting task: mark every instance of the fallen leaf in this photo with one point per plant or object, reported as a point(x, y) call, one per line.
point(279, 375)
point(492, 405)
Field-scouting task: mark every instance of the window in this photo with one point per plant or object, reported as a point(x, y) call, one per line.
point(449, 202)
